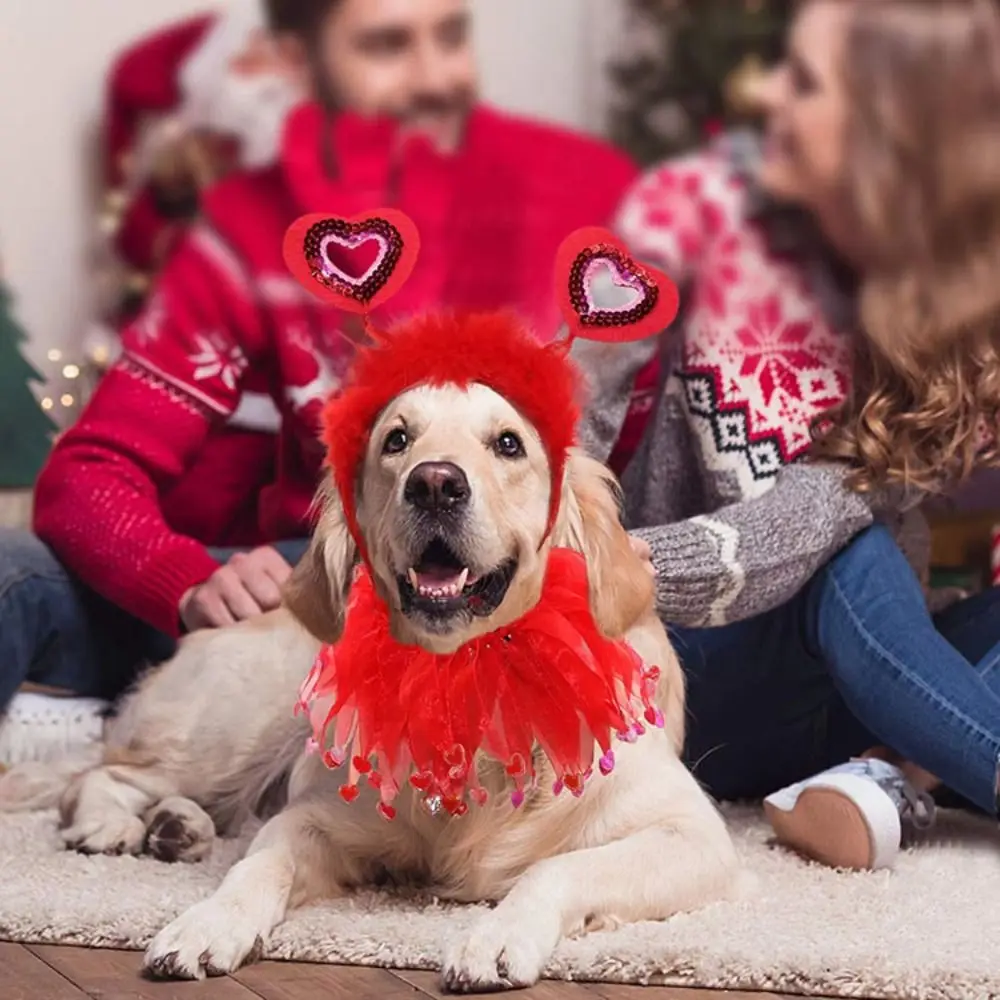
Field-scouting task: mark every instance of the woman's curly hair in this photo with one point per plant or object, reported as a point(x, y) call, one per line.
point(922, 196)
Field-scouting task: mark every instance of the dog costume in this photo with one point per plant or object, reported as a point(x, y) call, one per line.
point(393, 713)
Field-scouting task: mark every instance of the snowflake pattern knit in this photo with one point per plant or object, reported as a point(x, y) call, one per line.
point(710, 419)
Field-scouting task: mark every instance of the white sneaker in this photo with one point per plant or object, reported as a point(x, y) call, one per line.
point(37, 727)
point(852, 816)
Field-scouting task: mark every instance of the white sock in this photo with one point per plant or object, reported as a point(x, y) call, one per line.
point(37, 727)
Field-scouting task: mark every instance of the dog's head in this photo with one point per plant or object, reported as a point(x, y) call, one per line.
point(453, 506)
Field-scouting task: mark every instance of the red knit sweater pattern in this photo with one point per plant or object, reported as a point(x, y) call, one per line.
point(226, 315)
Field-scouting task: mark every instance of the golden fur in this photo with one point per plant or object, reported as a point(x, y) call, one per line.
point(210, 736)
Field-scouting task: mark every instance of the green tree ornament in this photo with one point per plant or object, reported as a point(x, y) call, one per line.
point(26, 431)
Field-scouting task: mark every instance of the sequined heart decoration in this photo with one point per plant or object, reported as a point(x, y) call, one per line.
point(353, 263)
point(608, 290)
point(353, 258)
point(605, 294)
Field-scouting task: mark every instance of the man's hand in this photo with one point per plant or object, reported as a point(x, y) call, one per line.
point(248, 585)
point(641, 548)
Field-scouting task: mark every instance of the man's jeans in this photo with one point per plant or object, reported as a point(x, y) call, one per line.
point(853, 662)
point(57, 632)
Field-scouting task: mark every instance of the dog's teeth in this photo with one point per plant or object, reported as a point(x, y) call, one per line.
point(438, 591)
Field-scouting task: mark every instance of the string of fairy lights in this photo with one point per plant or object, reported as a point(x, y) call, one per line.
point(66, 392)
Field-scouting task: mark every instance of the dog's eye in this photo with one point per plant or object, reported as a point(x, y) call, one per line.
point(396, 442)
point(509, 445)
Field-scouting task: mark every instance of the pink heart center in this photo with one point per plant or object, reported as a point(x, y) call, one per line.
point(352, 259)
point(609, 289)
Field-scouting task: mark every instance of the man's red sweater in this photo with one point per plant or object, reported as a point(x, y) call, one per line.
point(226, 317)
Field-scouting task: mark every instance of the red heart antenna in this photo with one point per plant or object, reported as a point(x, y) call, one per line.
point(606, 295)
point(357, 263)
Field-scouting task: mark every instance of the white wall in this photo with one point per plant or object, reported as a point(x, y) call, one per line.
point(540, 57)
point(547, 57)
point(53, 56)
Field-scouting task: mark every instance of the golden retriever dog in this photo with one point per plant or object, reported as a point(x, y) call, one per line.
point(209, 738)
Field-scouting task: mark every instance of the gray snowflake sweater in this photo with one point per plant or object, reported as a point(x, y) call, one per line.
point(711, 419)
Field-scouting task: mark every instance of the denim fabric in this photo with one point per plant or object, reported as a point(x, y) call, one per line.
point(854, 661)
point(56, 631)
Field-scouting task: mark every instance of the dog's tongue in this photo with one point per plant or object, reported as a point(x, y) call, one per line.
point(439, 580)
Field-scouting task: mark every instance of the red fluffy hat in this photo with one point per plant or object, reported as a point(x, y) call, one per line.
point(145, 81)
point(360, 262)
point(490, 349)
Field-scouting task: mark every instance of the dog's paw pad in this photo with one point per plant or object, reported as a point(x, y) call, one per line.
point(179, 830)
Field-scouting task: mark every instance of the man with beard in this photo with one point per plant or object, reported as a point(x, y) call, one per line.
point(112, 572)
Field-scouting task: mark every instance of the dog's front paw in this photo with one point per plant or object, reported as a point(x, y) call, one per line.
point(210, 939)
point(505, 950)
point(114, 832)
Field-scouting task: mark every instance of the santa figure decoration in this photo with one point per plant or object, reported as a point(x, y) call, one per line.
point(184, 107)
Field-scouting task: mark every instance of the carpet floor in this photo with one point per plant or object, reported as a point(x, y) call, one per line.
point(929, 930)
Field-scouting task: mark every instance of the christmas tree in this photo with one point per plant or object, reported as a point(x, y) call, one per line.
point(25, 429)
point(692, 70)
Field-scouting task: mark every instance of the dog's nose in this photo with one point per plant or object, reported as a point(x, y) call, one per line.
point(437, 487)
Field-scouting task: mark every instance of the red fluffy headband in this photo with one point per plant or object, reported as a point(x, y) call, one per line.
point(358, 263)
point(489, 349)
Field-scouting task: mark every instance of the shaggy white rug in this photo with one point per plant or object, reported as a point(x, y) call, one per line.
point(930, 930)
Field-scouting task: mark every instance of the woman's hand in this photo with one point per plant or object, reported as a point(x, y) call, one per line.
point(247, 586)
point(641, 548)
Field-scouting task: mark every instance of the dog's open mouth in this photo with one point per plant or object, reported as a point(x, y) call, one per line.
point(440, 584)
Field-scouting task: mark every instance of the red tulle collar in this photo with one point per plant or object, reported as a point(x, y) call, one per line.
point(550, 681)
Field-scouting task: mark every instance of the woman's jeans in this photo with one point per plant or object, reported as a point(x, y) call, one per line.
point(855, 661)
point(56, 631)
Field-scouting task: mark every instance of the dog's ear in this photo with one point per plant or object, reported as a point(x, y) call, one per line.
point(621, 590)
point(316, 593)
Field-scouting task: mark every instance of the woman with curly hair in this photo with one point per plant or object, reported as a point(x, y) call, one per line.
point(838, 359)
